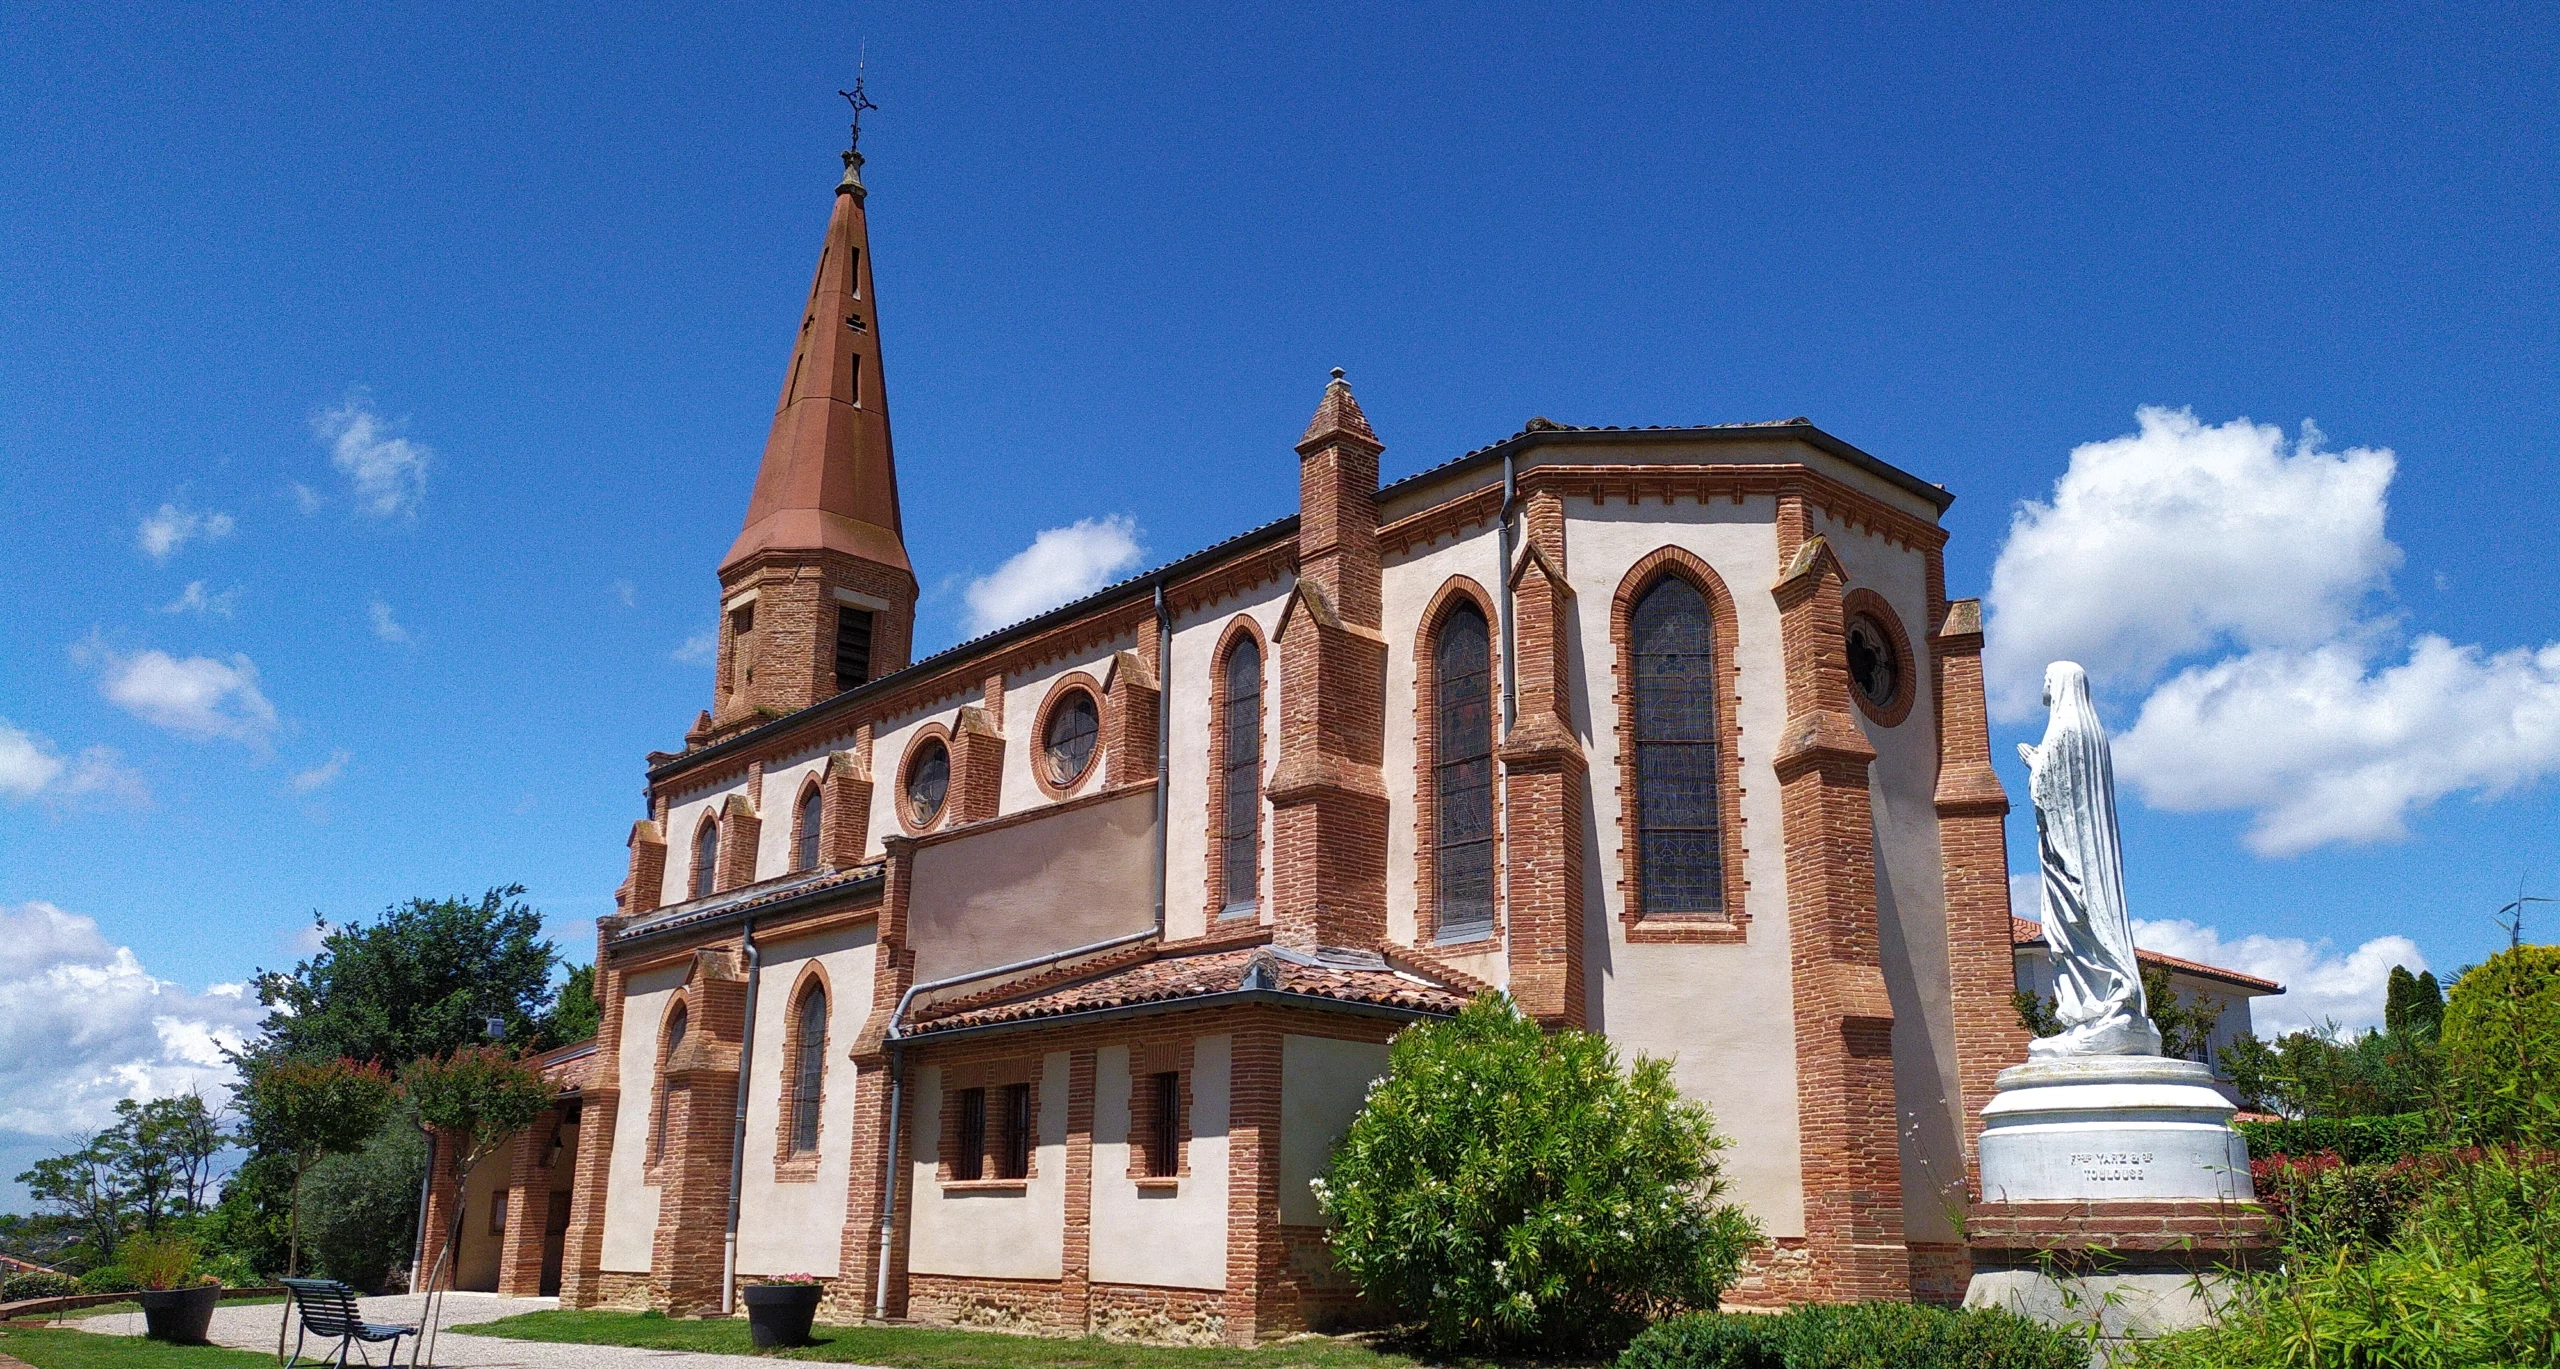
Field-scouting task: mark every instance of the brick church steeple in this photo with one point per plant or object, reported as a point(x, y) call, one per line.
point(816, 595)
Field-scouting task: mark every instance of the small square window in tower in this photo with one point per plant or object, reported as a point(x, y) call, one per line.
point(853, 647)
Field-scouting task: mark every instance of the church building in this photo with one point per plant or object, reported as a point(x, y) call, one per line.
point(1028, 985)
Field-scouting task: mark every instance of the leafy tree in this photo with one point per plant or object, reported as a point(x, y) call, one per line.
point(2332, 1074)
point(478, 1098)
point(87, 1192)
point(2412, 1003)
point(308, 1110)
point(421, 980)
point(1513, 1189)
point(2502, 1048)
point(575, 1015)
point(2185, 1027)
point(361, 1208)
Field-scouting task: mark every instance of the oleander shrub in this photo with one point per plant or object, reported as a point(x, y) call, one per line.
point(21, 1287)
point(1871, 1335)
point(1511, 1190)
point(2356, 1140)
point(114, 1278)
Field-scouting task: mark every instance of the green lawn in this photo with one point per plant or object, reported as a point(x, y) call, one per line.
point(908, 1347)
point(65, 1348)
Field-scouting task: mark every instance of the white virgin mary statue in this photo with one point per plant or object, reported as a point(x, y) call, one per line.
point(2097, 982)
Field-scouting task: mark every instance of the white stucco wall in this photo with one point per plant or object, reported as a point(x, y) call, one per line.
point(1050, 882)
point(475, 1264)
point(684, 817)
point(994, 1235)
point(798, 1227)
point(1195, 642)
point(1322, 1085)
point(1408, 584)
point(1165, 1239)
point(1025, 694)
point(631, 1202)
point(1724, 1015)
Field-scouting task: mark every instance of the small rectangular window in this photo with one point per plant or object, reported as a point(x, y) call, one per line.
point(498, 1214)
point(969, 1160)
point(1164, 1146)
point(853, 646)
point(857, 380)
point(742, 619)
point(1017, 1132)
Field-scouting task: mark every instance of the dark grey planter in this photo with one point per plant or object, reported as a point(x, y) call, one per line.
point(181, 1315)
point(778, 1314)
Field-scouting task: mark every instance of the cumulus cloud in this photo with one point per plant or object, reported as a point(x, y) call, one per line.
point(385, 626)
point(164, 533)
point(2322, 747)
point(2323, 985)
point(31, 768)
point(2180, 538)
point(702, 648)
point(198, 697)
point(195, 599)
point(305, 498)
point(387, 475)
point(83, 1025)
point(323, 775)
point(1059, 565)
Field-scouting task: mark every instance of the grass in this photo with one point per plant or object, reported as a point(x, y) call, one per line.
point(911, 1347)
point(62, 1348)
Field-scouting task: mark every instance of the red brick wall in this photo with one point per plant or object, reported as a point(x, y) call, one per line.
point(1973, 842)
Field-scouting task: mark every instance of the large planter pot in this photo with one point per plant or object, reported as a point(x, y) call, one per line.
point(778, 1314)
point(179, 1314)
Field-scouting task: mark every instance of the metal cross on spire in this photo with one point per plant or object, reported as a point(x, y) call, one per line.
point(858, 100)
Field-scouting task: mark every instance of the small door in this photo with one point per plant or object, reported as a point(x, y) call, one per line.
point(555, 1240)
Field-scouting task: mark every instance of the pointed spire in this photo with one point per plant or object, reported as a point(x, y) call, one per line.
point(1338, 418)
point(829, 482)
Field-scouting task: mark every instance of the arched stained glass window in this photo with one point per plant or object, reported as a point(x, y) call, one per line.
point(805, 845)
point(1680, 850)
point(706, 857)
point(1462, 774)
point(675, 1038)
point(1240, 767)
point(809, 1070)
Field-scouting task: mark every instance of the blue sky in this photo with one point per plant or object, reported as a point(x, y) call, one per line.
point(435, 348)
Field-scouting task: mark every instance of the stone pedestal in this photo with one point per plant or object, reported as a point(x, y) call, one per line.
point(2114, 1192)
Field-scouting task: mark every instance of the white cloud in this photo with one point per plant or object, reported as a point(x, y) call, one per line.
point(2323, 748)
point(306, 499)
point(30, 768)
point(385, 626)
point(625, 591)
point(2180, 538)
point(2323, 986)
point(83, 1025)
point(323, 775)
point(162, 534)
point(388, 475)
point(702, 648)
point(198, 697)
point(1059, 565)
point(195, 599)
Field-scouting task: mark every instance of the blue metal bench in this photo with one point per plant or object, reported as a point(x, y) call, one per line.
point(328, 1311)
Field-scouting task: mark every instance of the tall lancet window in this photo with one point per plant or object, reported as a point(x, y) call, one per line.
point(1680, 854)
point(706, 857)
point(1240, 840)
point(812, 812)
point(809, 1070)
point(1462, 774)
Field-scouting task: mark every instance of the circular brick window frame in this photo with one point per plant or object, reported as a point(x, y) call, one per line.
point(929, 734)
point(1068, 687)
point(1867, 604)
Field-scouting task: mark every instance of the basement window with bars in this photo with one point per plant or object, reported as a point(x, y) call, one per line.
point(969, 1156)
point(853, 647)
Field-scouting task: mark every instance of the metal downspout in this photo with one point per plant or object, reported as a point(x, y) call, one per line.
point(738, 1127)
point(1510, 695)
point(1164, 724)
point(896, 1041)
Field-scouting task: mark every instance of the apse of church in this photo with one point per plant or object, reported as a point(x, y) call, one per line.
point(1031, 981)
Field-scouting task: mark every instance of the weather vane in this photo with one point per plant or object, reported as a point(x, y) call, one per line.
point(857, 99)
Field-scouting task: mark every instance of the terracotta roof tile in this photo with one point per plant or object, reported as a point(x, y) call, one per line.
point(1169, 974)
point(2023, 932)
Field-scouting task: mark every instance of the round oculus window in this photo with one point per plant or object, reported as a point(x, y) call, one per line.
point(1075, 728)
point(1875, 665)
point(928, 783)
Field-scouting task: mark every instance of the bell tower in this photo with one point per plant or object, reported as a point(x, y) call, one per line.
point(816, 595)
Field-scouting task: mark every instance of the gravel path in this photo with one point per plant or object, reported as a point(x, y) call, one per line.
point(254, 1328)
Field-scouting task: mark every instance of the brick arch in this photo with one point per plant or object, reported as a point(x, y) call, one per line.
point(935, 732)
point(1063, 688)
point(810, 786)
point(1734, 923)
point(1454, 591)
point(698, 881)
point(1875, 606)
point(1241, 628)
point(801, 1166)
point(678, 1003)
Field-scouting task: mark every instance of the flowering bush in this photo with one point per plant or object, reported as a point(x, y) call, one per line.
point(1515, 1190)
point(785, 1280)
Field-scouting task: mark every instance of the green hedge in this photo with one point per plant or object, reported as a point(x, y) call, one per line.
point(115, 1278)
point(2357, 1140)
point(1869, 1335)
point(21, 1287)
